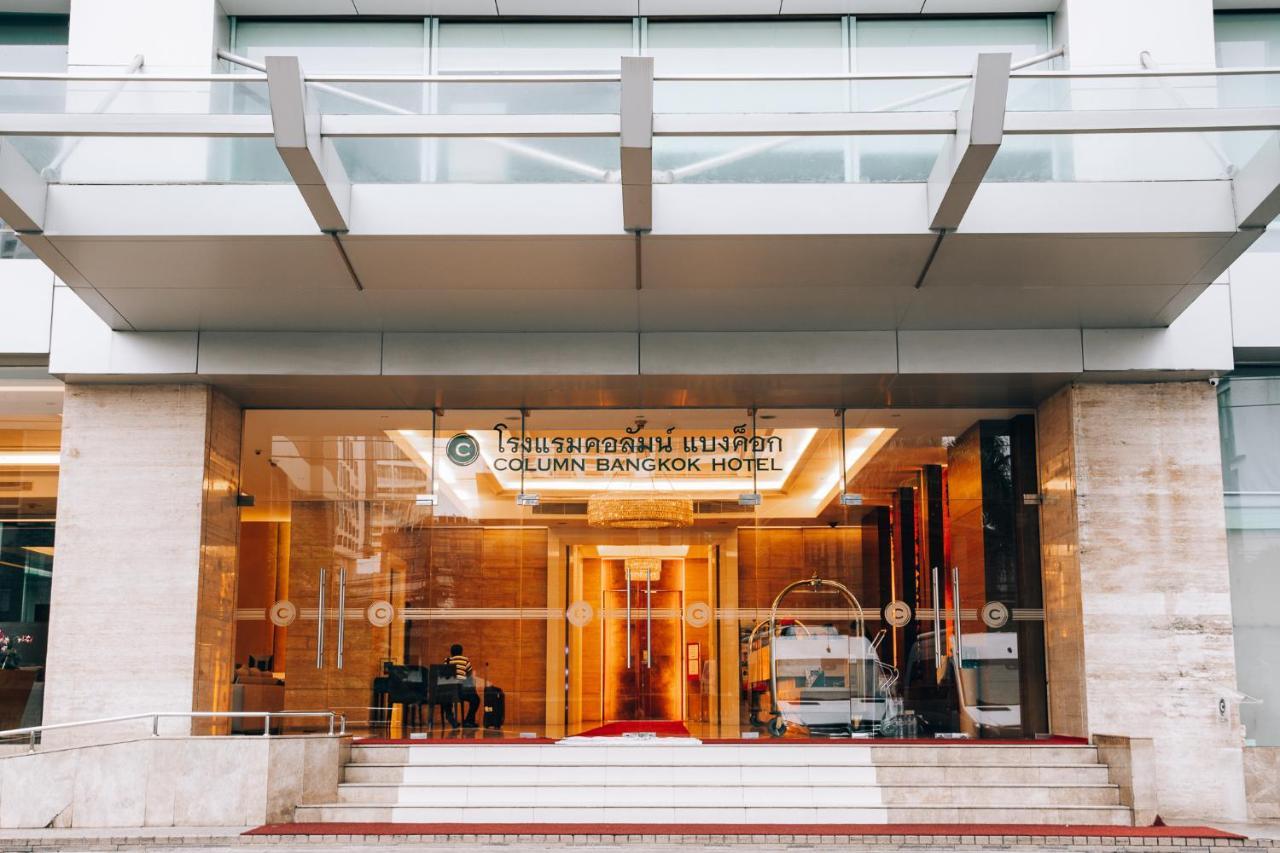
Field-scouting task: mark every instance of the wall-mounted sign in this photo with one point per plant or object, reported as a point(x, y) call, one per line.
point(712, 453)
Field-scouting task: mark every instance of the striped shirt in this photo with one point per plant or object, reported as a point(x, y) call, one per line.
point(461, 665)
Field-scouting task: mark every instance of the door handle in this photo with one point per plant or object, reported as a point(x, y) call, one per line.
point(342, 612)
point(628, 582)
point(648, 618)
point(955, 596)
point(320, 619)
point(937, 623)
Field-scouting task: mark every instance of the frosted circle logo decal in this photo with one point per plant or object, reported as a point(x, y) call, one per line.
point(380, 614)
point(462, 449)
point(897, 614)
point(282, 613)
point(995, 614)
point(698, 614)
point(579, 614)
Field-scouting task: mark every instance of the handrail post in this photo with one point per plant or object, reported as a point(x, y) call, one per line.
point(155, 725)
point(332, 720)
point(31, 743)
point(266, 724)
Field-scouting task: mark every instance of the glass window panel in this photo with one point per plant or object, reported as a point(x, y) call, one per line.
point(951, 45)
point(748, 47)
point(29, 450)
point(632, 586)
point(33, 43)
point(338, 47)
point(945, 44)
point(1249, 415)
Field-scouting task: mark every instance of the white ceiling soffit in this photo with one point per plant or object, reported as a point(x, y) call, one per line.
point(617, 8)
point(728, 258)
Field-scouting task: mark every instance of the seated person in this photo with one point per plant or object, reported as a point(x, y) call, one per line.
point(466, 675)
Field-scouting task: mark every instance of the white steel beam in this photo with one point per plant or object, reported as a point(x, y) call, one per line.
point(478, 126)
point(402, 125)
point(22, 191)
point(636, 130)
point(1256, 187)
point(311, 161)
point(960, 167)
point(130, 124)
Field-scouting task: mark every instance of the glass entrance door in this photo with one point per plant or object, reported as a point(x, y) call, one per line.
point(643, 664)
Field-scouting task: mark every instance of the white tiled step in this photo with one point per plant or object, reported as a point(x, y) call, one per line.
point(916, 774)
point(761, 755)
point(1004, 814)
point(726, 795)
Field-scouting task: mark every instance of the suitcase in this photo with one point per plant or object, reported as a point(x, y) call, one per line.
point(495, 707)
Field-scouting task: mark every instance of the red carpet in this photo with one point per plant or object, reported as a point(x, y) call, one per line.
point(884, 830)
point(662, 728)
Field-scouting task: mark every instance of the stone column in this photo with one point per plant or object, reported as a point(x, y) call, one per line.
point(1137, 604)
point(143, 599)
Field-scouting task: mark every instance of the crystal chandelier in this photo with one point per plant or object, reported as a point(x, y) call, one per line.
point(644, 569)
point(640, 510)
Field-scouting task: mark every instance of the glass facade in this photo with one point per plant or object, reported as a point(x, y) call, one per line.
point(713, 570)
point(1249, 410)
point(834, 45)
point(29, 448)
point(30, 43)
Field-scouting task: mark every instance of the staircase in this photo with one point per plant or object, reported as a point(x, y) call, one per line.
point(662, 782)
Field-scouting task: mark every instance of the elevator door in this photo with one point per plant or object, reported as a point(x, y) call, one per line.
point(643, 660)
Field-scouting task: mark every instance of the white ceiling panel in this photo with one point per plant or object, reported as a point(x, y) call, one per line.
point(587, 263)
point(797, 309)
point(472, 8)
point(235, 309)
point(710, 7)
point(1122, 306)
point(244, 263)
point(610, 8)
point(987, 7)
point(851, 7)
point(462, 310)
point(1077, 260)
point(741, 263)
point(289, 7)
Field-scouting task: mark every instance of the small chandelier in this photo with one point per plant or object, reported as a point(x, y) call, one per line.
point(647, 569)
point(640, 510)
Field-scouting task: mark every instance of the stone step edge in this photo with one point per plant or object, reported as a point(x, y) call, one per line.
point(678, 784)
point(710, 764)
point(1042, 807)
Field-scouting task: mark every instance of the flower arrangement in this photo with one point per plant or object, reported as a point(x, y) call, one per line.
point(9, 657)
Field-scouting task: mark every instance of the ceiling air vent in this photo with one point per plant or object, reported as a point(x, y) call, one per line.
point(721, 508)
point(562, 508)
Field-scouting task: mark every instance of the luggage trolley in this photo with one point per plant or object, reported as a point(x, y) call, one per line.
point(818, 679)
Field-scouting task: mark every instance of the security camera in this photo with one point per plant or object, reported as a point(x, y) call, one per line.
point(1213, 380)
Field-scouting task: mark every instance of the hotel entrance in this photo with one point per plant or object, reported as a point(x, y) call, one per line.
point(717, 573)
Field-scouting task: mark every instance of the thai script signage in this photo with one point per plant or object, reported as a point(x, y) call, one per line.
point(630, 452)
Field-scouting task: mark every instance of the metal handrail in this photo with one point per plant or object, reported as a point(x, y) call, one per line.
point(1063, 73)
point(337, 721)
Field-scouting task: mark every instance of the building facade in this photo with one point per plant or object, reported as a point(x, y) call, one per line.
point(628, 343)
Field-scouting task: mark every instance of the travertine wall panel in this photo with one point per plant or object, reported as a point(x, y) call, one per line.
point(147, 471)
point(1139, 467)
point(170, 781)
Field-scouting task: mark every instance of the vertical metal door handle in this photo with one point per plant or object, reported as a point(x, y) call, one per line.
point(955, 595)
point(627, 580)
point(320, 619)
point(342, 612)
point(648, 618)
point(937, 622)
